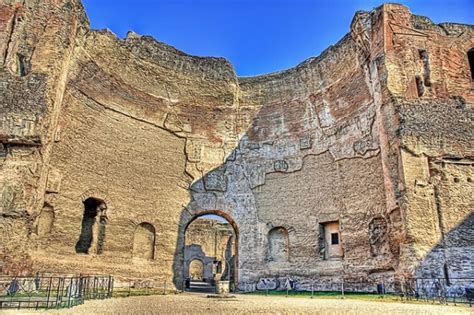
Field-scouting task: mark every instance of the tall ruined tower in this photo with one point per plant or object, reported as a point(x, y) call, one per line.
point(355, 164)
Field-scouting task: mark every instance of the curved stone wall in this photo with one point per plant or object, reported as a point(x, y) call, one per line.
point(342, 140)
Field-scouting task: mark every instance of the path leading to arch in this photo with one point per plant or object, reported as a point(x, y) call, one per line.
point(192, 303)
point(201, 287)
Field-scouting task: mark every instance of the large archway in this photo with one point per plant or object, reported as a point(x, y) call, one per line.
point(211, 237)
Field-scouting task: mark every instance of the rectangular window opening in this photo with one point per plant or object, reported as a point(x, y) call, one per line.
point(330, 241)
point(334, 238)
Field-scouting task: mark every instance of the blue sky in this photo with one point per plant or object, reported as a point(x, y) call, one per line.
point(213, 217)
point(257, 36)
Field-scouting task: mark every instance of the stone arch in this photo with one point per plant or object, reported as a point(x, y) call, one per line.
point(278, 244)
point(97, 194)
point(144, 241)
point(220, 213)
point(196, 269)
point(190, 218)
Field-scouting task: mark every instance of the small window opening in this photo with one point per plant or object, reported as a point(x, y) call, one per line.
point(334, 238)
point(419, 86)
point(446, 273)
point(470, 56)
point(23, 65)
point(423, 54)
point(426, 67)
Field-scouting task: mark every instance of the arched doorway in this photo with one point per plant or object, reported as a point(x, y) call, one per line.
point(211, 239)
point(92, 236)
point(196, 270)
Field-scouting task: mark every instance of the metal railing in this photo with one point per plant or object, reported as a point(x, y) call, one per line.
point(430, 290)
point(457, 290)
point(53, 291)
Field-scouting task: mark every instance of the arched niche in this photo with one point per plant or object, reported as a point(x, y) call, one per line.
point(144, 241)
point(45, 220)
point(278, 244)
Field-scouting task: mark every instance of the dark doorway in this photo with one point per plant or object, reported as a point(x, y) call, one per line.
point(93, 208)
point(470, 56)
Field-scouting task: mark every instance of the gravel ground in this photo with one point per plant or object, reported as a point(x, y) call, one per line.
point(248, 304)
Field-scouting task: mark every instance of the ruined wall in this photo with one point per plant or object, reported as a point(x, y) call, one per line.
point(431, 82)
point(209, 240)
point(371, 134)
point(130, 122)
point(36, 45)
point(311, 155)
point(124, 138)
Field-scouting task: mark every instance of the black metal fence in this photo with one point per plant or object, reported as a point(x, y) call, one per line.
point(429, 290)
point(53, 291)
point(458, 290)
point(67, 291)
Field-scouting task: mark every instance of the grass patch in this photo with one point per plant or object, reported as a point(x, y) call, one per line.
point(361, 296)
point(125, 292)
point(334, 295)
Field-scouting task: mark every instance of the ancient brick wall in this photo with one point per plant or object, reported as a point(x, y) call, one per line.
point(371, 140)
point(36, 45)
point(127, 138)
point(430, 79)
point(310, 155)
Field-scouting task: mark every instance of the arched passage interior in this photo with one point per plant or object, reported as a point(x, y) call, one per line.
point(211, 237)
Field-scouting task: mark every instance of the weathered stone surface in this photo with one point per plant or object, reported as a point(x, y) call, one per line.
point(374, 136)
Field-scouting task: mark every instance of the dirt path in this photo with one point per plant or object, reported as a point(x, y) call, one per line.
point(248, 304)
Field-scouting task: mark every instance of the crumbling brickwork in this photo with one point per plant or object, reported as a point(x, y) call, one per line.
point(374, 137)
